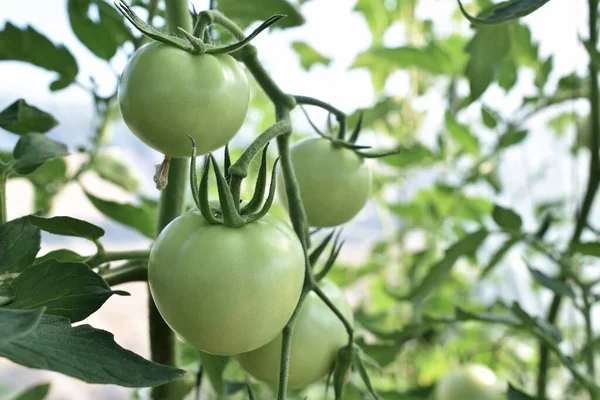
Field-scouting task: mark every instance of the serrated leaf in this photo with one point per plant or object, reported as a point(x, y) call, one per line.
point(33, 150)
point(505, 11)
point(587, 248)
point(462, 135)
point(487, 51)
point(214, 366)
point(63, 255)
point(115, 171)
point(67, 226)
point(22, 118)
point(506, 218)
point(248, 12)
point(142, 218)
point(19, 244)
point(555, 285)
point(37, 392)
point(30, 46)
point(85, 353)
point(16, 323)
point(70, 290)
point(309, 56)
point(103, 36)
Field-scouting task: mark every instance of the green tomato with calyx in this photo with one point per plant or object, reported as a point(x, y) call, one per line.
point(334, 182)
point(476, 382)
point(166, 94)
point(317, 337)
point(226, 290)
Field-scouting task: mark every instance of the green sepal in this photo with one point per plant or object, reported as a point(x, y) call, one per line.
point(227, 164)
point(260, 187)
point(379, 154)
point(267, 206)
point(314, 255)
point(204, 205)
point(362, 371)
point(347, 145)
point(341, 368)
point(357, 128)
point(312, 125)
point(335, 251)
point(231, 217)
point(193, 174)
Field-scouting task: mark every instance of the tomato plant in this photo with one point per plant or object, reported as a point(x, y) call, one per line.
point(334, 181)
point(167, 93)
point(468, 382)
point(317, 338)
point(212, 283)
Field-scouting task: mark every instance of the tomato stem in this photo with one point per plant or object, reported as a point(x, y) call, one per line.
point(105, 257)
point(339, 115)
point(3, 178)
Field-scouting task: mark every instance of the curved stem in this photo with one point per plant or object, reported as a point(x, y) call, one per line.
point(102, 258)
point(589, 334)
point(3, 216)
point(133, 272)
point(339, 115)
point(172, 201)
point(332, 307)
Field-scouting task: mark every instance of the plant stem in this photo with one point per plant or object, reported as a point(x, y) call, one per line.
point(172, 201)
point(102, 258)
point(323, 296)
point(589, 334)
point(134, 272)
point(3, 216)
point(339, 115)
point(590, 194)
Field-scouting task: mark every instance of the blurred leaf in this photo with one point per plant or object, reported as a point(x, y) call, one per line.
point(67, 226)
point(214, 366)
point(358, 364)
point(507, 75)
point(382, 353)
point(85, 353)
point(439, 272)
point(428, 59)
point(506, 218)
point(102, 36)
point(516, 394)
point(587, 248)
point(115, 171)
point(309, 56)
point(141, 218)
point(22, 118)
point(420, 393)
point(30, 46)
point(545, 328)
point(62, 255)
point(415, 155)
point(510, 138)
point(555, 285)
point(37, 392)
point(70, 290)
point(47, 181)
point(506, 11)
point(248, 12)
point(462, 135)
point(16, 323)
point(490, 119)
point(33, 150)
point(487, 49)
point(6, 294)
point(19, 244)
point(498, 256)
point(378, 16)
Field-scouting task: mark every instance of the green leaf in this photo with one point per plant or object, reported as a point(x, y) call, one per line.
point(415, 155)
point(247, 12)
point(16, 323)
point(62, 255)
point(418, 393)
point(214, 366)
point(487, 50)
point(102, 37)
point(378, 15)
point(22, 118)
point(309, 56)
point(141, 218)
point(556, 285)
point(506, 218)
point(70, 290)
point(85, 353)
point(548, 330)
point(511, 138)
point(30, 46)
point(6, 295)
point(33, 150)
point(115, 171)
point(439, 272)
point(67, 226)
point(362, 371)
point(507, 75)
point(516, 394)
point(498, 256)
point(19, 244)
point(37, 392)
point(489, 118)
point(587, 248)
point(430, 59)
point(504, 11)
point(462, 135)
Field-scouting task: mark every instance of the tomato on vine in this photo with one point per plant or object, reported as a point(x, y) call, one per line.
point(334, 182)
point(468, 382)
point(167, 93)
point(317, 337)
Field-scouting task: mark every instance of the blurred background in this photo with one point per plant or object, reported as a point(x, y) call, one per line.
point(496, 119)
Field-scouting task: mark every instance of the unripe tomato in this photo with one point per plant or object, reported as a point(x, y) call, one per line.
point(226, 290)
point(166, 94)
point(468, 382)
point(334, 182)
point(317, 337)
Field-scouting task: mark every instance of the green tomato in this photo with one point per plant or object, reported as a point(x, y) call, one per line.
point(166, 94)
point(334, 182)
point(226, 290)
point(317, 337)
point(468, 382)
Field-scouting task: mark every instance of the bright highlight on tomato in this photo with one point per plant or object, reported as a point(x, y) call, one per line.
point(318, 336)
point(468, 382)
point(334, 182)
point(166, 93)
point(226, 290)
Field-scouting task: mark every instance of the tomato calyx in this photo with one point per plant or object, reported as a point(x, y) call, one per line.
point(195, 42)
point(229, 213)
